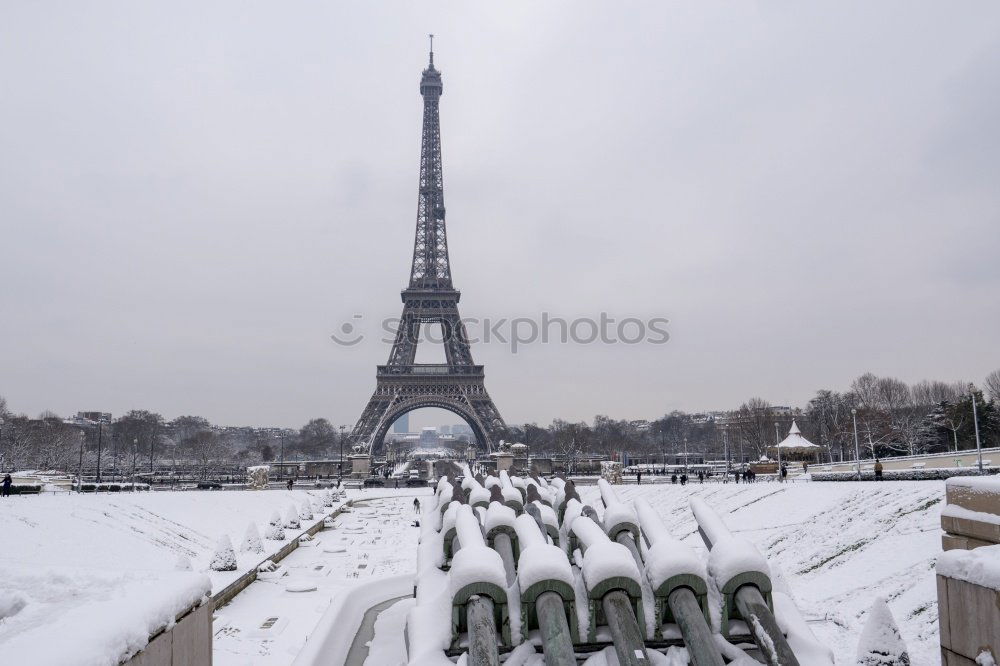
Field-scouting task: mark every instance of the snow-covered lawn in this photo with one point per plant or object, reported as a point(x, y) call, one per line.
point(839, 546)
point(100, 571)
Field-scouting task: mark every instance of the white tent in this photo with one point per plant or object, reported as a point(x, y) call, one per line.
point(795, 443)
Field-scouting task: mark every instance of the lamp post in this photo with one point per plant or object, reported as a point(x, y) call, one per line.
point(281, 455)
point(725, 444)
point(975, 422)
point(777, 442)
point(685, 455)
point(857, 448)
point(135, 454)
point(79, 474)
point(340, 467)
point(100, 442)
point(3, 460)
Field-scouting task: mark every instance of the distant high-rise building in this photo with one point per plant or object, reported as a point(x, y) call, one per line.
point(96, 417)
point(429, 437)
point(402, 424)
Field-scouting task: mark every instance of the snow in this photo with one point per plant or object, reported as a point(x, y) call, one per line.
point(476, 564)
point(251, 541)
point(880, 643)
point(956, 511)
point(498, 515)
point(539, 560)
point(980, 566)
point(388, 645)
point(976, 483)
point(733, 555)
point(839, 544)
point(91, 617)
point(603, 560)
point(224, 558)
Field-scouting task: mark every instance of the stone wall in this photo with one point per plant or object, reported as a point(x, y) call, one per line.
point(187, 643)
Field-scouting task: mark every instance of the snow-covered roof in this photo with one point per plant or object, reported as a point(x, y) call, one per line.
point(795, 440)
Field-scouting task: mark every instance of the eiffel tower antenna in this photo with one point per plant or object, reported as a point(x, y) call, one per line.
point(403, 385)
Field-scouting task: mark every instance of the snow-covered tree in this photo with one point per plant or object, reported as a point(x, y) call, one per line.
point(881, 644)
point(291, 518)
point(305, 512)
point(275, 530)
point(182, 563)
point(327, 498)
point(224, 558)
point(251, 540)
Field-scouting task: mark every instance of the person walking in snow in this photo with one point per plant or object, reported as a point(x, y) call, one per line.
point(701, 478)
point(878, 470)
point(416, 506)
point(684, 479)
point(673, 478)
point(638, 477)
point(6, 485)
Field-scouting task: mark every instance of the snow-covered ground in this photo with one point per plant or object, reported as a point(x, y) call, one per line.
point(375, 540)
point(97, 573)
point(839, 545)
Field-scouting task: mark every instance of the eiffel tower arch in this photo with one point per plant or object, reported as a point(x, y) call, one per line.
point(458, 385)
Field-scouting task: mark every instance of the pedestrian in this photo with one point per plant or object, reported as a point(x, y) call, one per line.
point(397, 483)
point(416, 506)
point(805, 468)
point(290, 483)
point(701, 478)
point(638, 477)
point(6, 485)
point(684, 479)
point(673, 478)
point(784, 473)
point(878, 471)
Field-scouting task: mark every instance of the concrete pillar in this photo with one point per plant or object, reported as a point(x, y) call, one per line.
point(361, 464)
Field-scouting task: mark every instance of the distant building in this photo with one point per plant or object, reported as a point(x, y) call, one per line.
point(428, 437)
point(402, 424)
point(96, 417)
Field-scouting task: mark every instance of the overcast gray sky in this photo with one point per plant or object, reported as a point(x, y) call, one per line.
point(194, 195)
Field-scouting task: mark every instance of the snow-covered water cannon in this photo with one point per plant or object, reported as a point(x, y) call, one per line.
point(478, 590)
point(501, 535)
point(677, 578)
point(743, 577)
point(548, 600)
point(620, 522)
point(511, 496)
point(614, 591)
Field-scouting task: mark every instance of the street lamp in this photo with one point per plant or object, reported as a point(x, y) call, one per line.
point(340, 467)
point(2, 459)
point(777, 441)
point(281, 455)
point(857, 448)
point(975, 421)
point(135, 454)
point(685, 455)
point(725, 444)
point(100, 442)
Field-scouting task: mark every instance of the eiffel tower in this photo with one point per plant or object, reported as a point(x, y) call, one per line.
point(458, 384)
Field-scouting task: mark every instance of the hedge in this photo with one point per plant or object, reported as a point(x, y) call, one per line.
point(25, 489)
point(904, 474)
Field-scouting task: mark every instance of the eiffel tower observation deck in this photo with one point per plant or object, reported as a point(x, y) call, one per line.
point(403, 385)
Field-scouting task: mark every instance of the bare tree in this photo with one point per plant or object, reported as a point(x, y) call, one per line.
point(992, 385)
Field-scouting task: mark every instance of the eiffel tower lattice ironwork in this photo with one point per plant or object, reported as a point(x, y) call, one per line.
point(458, 384)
